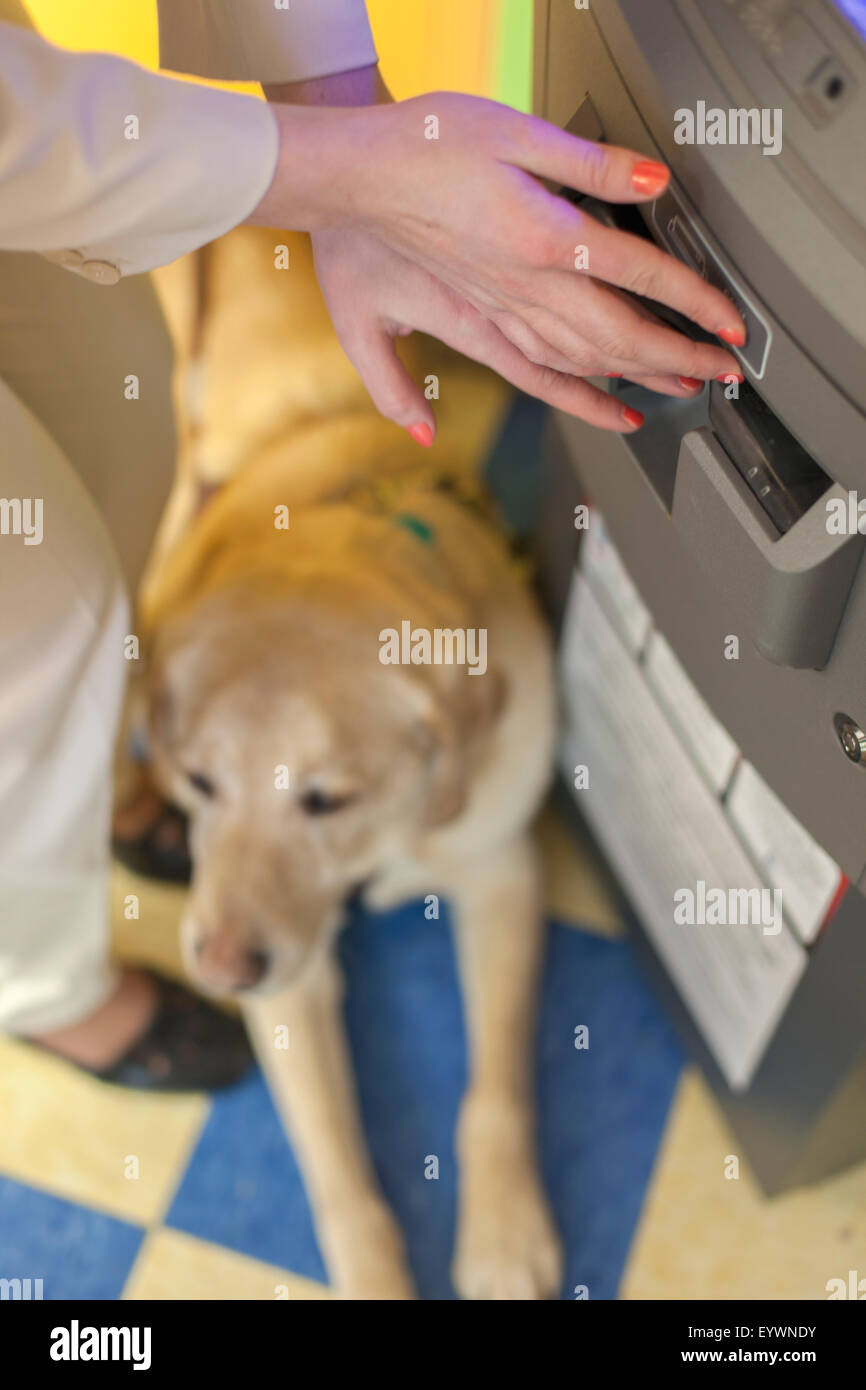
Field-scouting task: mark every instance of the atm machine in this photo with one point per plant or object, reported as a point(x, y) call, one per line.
point(706, 571)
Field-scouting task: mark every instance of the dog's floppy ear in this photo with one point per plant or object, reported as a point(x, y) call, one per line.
point(160, 707)
point(168, 667)
point(182, 659)
point(456, 714)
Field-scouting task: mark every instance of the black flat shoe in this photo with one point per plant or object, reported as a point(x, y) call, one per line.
point(190, 1045)
point(162, 851)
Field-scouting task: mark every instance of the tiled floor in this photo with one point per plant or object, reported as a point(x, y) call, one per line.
point(115, 1193)
point(108, 1194)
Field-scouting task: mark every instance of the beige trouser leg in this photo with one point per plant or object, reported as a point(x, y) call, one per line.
point(101, 464)
point(67, 349)
point(63, 616)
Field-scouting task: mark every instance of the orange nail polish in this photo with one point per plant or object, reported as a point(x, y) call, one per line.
point(632, 416)
point(735, 336)
point(422, 434)
point(726, 376)
point(649, 177)
point(691, 383)
point(615, 375)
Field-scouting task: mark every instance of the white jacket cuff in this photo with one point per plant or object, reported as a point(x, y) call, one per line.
point(257, 41)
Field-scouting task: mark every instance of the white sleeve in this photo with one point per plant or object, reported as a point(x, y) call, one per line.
point(267, 41)
point(115, 169)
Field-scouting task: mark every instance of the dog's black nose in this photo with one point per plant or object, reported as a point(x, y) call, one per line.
point(229, 967)
point(256, 966)
point(251, 968)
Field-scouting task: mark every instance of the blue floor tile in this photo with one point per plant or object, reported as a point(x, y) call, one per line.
point(601, 1110)
point(242, 1187)
point(76, 1252)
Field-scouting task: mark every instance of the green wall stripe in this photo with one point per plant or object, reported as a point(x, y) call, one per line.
point(514, 59)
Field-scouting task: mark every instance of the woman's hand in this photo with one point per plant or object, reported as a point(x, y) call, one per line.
point(456, 236)
point(375, 295)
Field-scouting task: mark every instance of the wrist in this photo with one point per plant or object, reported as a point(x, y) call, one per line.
point(311, 159)
point(316, 175)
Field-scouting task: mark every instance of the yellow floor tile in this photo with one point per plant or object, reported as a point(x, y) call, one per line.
point(172, 1265)
point(576, 886)
point(704, 1236)
point(78, 1138)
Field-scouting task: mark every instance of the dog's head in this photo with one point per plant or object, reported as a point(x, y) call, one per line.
point(305, 764)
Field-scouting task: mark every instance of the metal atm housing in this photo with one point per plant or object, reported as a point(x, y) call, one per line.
point(718, 507)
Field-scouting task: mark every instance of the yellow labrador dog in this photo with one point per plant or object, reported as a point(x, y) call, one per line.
point(352, 687)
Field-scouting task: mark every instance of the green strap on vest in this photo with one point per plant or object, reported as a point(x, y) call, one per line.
point(419, 528)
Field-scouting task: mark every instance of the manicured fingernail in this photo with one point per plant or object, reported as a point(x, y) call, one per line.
point(613, 374)
point(691, 383)
point(726, 377)
point(649, 177)
point(632, 417)
point(422, 434)
point(735, 336)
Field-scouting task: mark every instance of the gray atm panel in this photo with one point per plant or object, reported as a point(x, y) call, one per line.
point(681, 514)
point(721, 518)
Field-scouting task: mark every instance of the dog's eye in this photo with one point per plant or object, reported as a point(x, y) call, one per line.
point(201, 783)
point(319, 803)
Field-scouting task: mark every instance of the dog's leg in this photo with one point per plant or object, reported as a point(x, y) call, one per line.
point(313, 1090)
point(507, 1247)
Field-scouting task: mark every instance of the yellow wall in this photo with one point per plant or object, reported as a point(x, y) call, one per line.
point(429, 44)
point(128, 28)
point(422, 44)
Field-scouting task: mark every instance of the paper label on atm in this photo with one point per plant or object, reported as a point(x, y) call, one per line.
point(600, 562)
point(665, 831)
point(706, 738)
point(784, 851)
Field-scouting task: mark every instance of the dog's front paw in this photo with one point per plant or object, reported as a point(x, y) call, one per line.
point(365, 1255)
point(507, 1245)
point(509, 1251)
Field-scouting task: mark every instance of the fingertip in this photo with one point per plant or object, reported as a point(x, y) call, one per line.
point(649, 178)
point(735, 336)
point(633, 418)
point(422, 434)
